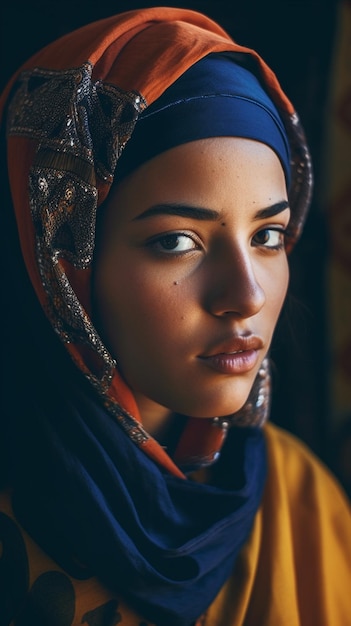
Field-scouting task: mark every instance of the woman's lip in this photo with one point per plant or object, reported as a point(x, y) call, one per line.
point(232, 363)
point(234, 343)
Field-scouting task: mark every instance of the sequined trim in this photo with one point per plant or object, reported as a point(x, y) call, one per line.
point(300, 191)
point(129, 424)
point(90, 120)
point(79, 142)
point(255, 411)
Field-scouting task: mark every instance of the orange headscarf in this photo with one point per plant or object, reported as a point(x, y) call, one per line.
point(102, 76)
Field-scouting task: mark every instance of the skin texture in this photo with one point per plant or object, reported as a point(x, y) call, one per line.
point(173, 294)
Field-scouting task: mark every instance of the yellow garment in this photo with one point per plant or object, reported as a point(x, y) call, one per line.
point(295, 569)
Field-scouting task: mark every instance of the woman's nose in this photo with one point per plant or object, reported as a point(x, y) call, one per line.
point(235, 289)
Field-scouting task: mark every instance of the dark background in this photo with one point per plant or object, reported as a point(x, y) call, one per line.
point(296, 38)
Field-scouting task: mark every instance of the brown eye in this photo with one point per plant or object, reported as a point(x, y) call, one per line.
point(269, 238)
point(170, 242)
point(262, 237)
point(177, 243)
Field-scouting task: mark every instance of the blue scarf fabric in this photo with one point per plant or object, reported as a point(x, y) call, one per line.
point(215, 97)
point(100, 507)
point(91, 497)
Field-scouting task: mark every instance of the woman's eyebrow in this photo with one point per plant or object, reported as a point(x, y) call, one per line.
point(192, 212)
point(272, 210)
point(200, 213)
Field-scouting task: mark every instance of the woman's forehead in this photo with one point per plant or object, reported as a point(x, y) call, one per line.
point(213, 174)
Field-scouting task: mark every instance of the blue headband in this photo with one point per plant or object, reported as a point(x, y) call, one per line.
point(214, 98)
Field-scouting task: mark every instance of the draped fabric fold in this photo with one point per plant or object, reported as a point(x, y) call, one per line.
point(168, 544)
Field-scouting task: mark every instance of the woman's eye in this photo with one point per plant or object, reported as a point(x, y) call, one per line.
point(174, 242)
point(270, 238)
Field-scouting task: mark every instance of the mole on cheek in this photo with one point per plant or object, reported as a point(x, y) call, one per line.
point(223, 224)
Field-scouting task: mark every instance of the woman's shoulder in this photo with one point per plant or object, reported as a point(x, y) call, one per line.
point(296, 566)
point(303, 495)
point(295, 467)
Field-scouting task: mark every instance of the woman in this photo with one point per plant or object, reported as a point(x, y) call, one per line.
point(159, 177)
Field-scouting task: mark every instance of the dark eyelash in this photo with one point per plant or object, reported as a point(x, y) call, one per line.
point(157, 239)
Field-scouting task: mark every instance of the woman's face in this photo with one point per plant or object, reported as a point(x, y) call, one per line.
point(191, 274)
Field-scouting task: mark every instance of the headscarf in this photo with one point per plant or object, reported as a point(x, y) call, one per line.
point(84, 472)
point(211, 99)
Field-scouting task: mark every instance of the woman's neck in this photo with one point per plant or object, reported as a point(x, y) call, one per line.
point(159, 422)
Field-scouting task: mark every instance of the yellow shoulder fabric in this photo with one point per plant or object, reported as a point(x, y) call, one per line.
point(35, 590)
point(296, 568)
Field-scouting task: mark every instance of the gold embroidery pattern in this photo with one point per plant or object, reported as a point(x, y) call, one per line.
point(79, 142)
